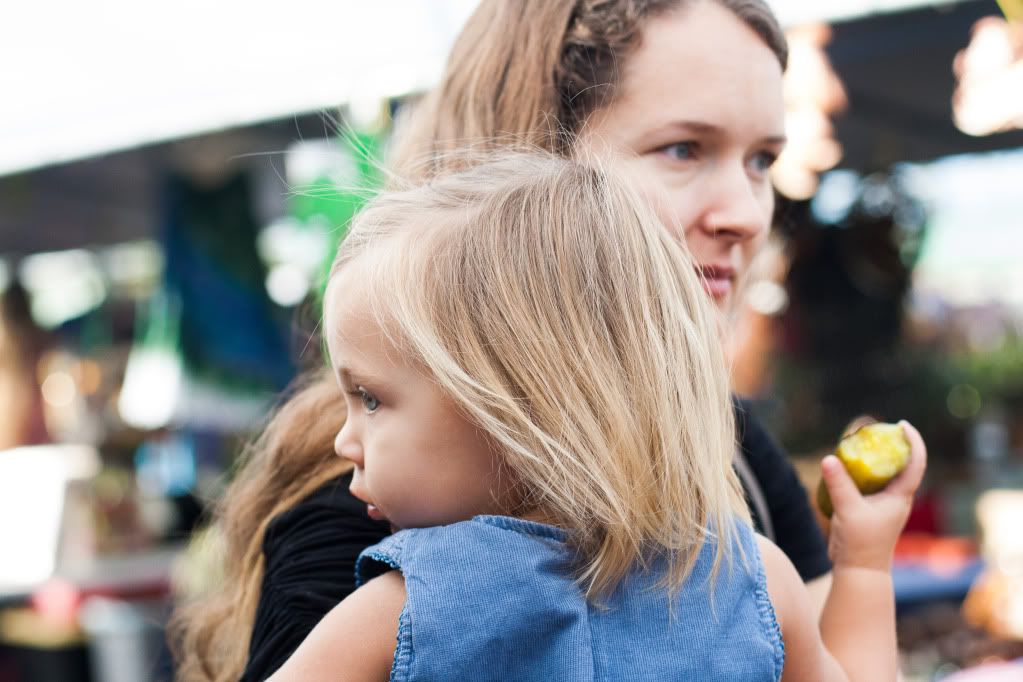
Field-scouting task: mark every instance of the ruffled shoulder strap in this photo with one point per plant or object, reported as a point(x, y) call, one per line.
point(386, 555)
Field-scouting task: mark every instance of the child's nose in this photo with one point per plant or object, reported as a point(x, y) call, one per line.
point(347, 446)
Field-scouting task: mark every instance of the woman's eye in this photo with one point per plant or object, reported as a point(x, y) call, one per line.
point(369, 401)
point(762, 161)
point(680, 151)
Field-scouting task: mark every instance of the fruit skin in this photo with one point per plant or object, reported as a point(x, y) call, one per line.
point(873, 455)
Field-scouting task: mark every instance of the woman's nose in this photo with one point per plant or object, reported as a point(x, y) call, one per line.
point(346, 445)
point(740, 208)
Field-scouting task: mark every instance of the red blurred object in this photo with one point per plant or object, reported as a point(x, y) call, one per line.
point(925, 515)
point(939, 554)
point(59, 599)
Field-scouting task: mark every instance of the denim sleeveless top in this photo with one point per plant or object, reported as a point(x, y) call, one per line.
point(493, 598)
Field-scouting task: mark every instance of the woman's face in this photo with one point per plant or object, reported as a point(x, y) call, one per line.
point(700, 117)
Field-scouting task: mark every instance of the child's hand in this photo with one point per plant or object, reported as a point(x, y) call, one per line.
point(864, 528)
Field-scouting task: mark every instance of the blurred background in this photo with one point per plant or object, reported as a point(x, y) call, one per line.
point(173, 182)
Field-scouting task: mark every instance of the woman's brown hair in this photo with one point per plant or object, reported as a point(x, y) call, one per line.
point(521, 72)
point(291, 458)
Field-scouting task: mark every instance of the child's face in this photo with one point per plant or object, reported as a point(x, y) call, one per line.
point(418, 461)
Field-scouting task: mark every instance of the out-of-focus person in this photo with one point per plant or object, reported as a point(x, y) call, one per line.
point(21, 345)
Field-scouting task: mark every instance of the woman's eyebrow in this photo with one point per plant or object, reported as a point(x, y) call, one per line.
point(779, 139)
point(702, 127)
point(711, 129)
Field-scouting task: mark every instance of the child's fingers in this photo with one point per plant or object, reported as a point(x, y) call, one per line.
point(908, 481)
point(840, 485)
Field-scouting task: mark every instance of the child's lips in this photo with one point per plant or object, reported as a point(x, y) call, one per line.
point(374, 513)
point(371, 509)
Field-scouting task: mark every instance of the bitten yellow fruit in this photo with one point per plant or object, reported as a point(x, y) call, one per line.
point(873, 455)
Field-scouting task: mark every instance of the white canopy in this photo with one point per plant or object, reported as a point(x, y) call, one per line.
point(82, 78)
point(85, 78)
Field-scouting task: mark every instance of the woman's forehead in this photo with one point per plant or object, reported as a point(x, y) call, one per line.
point(703, 64)
point(701, 32)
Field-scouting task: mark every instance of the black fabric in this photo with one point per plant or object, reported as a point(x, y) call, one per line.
point(311, 549)
point(795, 528)
point(310, 552)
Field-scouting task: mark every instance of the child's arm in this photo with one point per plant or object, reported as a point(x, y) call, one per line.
point(819, 589)
point(857, 626)
point(355, 641)
point(805, 655)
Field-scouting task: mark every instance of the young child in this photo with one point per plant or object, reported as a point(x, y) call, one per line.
point(537, 397)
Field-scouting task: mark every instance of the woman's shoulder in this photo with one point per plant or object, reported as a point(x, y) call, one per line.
point(792, 522)
point(332, 498)
point(767, 461)
point(309, 552)
point(357, 636)
point(329, 509)
point(757, 443)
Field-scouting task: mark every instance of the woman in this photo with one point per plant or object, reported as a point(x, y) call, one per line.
point(689, 94)
point(22, 343)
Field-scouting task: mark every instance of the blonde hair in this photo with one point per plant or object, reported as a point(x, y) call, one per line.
point(493, 91)
point(565, 321)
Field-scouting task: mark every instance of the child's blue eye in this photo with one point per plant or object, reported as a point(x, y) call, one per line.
point(369, 401)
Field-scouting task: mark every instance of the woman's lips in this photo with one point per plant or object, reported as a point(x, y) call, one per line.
point(717, 280)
